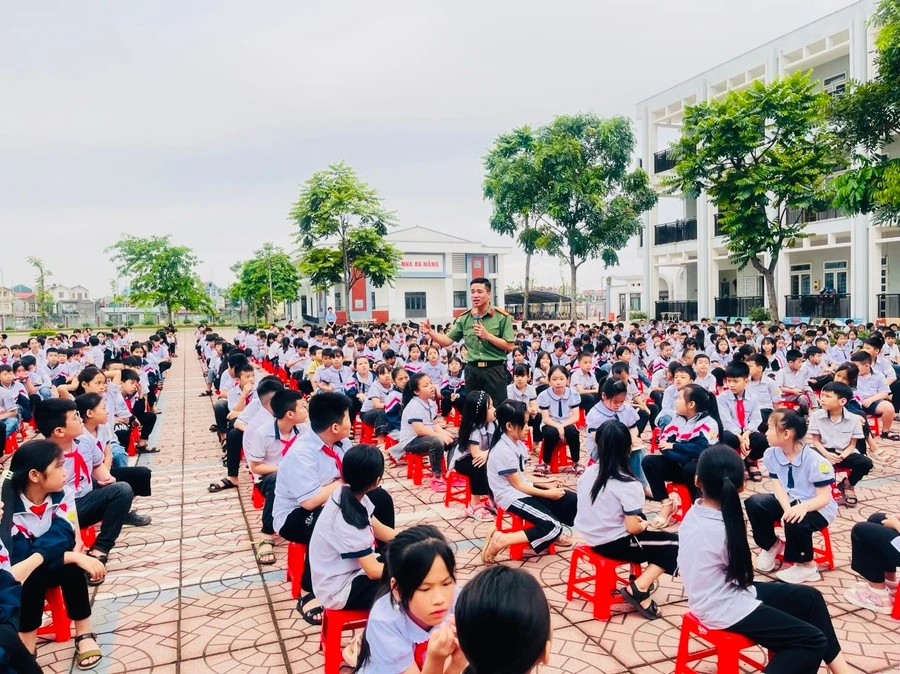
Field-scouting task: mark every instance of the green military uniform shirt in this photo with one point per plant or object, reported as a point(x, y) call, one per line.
point(496, 321)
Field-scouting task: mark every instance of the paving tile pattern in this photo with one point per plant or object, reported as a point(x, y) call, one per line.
point(185, 595)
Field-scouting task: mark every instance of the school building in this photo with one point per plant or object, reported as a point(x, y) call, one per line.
point(435, 272)
point(846, 254)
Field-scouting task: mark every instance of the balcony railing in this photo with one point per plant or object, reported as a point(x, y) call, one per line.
point(737, 306)
point(673, 232)
point(663, 161)
point(888, 305)
point(804, 215)
point(818, 306)
point(717, 227)
point(685, 310)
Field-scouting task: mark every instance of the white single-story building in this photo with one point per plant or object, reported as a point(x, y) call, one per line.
point(435, 271)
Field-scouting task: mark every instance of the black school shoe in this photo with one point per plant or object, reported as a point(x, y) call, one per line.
point(135, 519)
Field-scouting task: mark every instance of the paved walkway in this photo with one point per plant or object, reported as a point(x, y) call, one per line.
point(185, 595)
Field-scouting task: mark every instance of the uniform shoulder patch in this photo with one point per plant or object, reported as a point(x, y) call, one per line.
point(824, 467)
point(465, 313)
point(501, 311)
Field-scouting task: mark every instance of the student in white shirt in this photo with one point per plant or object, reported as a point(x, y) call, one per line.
point(524, 392)
point(611, 517)
point(790, 621)
point(372, 411)
point(470, 454)
point(559, 418)
point(584, 382)
point(875, 556)
point(421, 432)
point(409, 628)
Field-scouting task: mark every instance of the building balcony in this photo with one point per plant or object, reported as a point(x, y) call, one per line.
point(663, 161)
point(818, 306)
point(684, 310)
point(804, 215)
point(888, 305)
point(674, 232)
point(737, 306)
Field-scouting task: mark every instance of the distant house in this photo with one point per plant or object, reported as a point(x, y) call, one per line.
point(60, 293)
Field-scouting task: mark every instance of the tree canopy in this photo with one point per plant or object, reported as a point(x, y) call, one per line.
point(341, 225)
point(43, 300)
point(266, 279)
point(761, 154)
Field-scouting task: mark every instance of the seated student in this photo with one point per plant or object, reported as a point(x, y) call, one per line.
point(469, 455)
point(681, 376)
point(848, 374)
point(110, 502)
point(24, 389)
point(227, 381)
point(789, 621)
point(453, 387)
point(393, 408)
point(681, 443)
point(702, 375)
point(43, 553)
point(357, 386)
point(310, 473)
point(794, 388)
point(646, 409)
point(874, 391)
point(372, 411)
point(213, 361)
point(52, 373)
point(503, 622)
point(875, 556)
point(584, 382)
point(130, 388)
point(525, 393)
point(421, 431)
point(559, 418)
point(814, 371)
point(611, 518)
point(415, 607)
point(762, 387)
point(543, 504)
point(344, 561)
point(837, 435)
point(268, 445)
point(801, 481)
point(14, 656)
point(9, 409)
point(612, 407)
point(740, 414)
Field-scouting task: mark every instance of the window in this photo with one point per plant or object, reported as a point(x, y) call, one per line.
point(836, 276)
point(372, 304)
point(835, 85)
point(460, 299)
point(664, 295)
point(634, 302)
point(492, 262)
point(303, 306)
point(415, 305)
point(458, 262)
point(338, 299)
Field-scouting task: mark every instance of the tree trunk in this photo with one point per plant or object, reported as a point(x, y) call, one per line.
point(768, 274)
point(527, 287)
point(573, 270)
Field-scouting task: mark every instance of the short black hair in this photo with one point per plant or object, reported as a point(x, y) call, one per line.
point(327, 409)
point(51, 414)
point(483, 281)
point(839, 389)
point(861, 357)
point(285, 401)
point(792, 355)
point(737, 369)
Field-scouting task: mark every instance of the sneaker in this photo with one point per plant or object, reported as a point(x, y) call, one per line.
point(799, 573)
point(135, 519)
point(878, 601)
point(438, 484)
point(765, 562)
point(479, 514)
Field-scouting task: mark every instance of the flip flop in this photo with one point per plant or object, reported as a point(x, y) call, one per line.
point(850, 497)
point(753, 472)
point(487, 544)
point(146, 449)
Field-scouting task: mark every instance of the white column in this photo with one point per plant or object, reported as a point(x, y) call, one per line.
point(703, 252)
point(650, 273)
point(860, 254)
point(782, 282)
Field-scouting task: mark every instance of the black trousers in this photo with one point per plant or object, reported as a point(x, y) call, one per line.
point(299, 525)
point(551, 439)
point(376, 419)
point(547, 515)
point(588, 400)
point(220, 411)
point(136, 477)
point(895, 397)
point(234, 441)
point(431, 445)
point(18, 659)
point(491, 380)
point(69, 578)
point(478, 479)
point(654, 547)
point(643, 418)
point(146, 419)
point(110, 505)
point(355, 407)
point(266, 487)
point(447, 404)
point(873, 552)
point(793, 623)
point(763, 510)
point(758, 444)
point(659, 469)
point(363, 591)
point(163, 366)
point(859, 465)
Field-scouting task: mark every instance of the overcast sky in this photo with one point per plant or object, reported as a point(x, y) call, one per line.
point(201, 119)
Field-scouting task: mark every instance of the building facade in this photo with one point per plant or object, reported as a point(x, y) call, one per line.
point(845, 253)
point(435, 271)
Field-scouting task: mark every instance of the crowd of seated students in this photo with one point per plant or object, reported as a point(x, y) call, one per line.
point(84, 401)
point(716, 401)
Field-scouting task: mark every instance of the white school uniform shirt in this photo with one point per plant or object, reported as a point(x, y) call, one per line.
point(393, 636)
point(588, 381)
point(526, 396)
point(375, 392)
point(436, 372)
point(417, 410)
point(303, 472)
point(871, 384)
point(728, 413)
point(708, 382)
point(480, 436)
point(702, 563)
point(598, 415)
point(505, 458)
point(560, 407)
point(27, 522)
point(764, 391)
point(668, 399)
point(86, 454)
point(337, 378)
point(801, 476)
point(335, 550)
point(413, 366)
point(839, 354)
point(787, 377)
point(603, 520)
point(268, 446)
point(235, 393)
point(836, 434)
point(254, 416)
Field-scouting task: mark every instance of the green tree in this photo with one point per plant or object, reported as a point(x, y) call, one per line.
point(762, 154)
point(868, 118)
point(592, 201)
point(518, 193)
point(160, 274)
point(267, 278)
point(341, 226)
point(43, 300)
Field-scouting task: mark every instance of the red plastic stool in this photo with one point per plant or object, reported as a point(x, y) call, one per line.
point(582, 422)
point(529, 442)
point(516, 551)
point(654, 441)
point(21, 431)
point(389, 442)
point(89, 536)
point(258, 499)
point(604, 577)
point(12, 444)
point(296, 558)
point(366, 433)
point(895, 614)
point(60, 626)
point(415, 468)
point(823, 555)
point(874, 425)
point(560, 458)
point(454, 417)
point(459, 490)
point(133, 438)
point(788, 404)
point(333, 623)
point(726, 646)
point(684, 499)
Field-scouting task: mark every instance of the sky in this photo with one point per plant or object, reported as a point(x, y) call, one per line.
point(202, 119)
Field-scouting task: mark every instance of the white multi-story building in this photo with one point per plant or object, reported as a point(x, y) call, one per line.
point(845, 253)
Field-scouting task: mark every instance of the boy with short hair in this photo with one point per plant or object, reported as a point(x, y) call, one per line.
point(584, 382)
point(741, 418)
point(703, 376)
point(790, 380)
point(762, 386)
point(681, 377)
point(9, 410)
point(838, 436)
point(874, 392)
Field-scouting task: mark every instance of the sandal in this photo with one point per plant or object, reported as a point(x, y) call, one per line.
point(753, 472)
point(564, 541)
point(579, 469)
point(146, 449)
point(80, 657)
point(213, 428)
point(221, 485)
point(635, 597)
point(850, 498)
point(487, 558)
point(205, 394)
point(887, 435)
point(314, 615)
point(664, 522)
point(263, 556)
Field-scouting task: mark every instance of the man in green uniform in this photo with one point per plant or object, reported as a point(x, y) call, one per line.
point(489, 337)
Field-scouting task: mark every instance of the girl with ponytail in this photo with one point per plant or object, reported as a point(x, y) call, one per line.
point(790, 621)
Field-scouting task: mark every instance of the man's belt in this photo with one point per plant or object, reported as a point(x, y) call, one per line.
point(488, 363)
